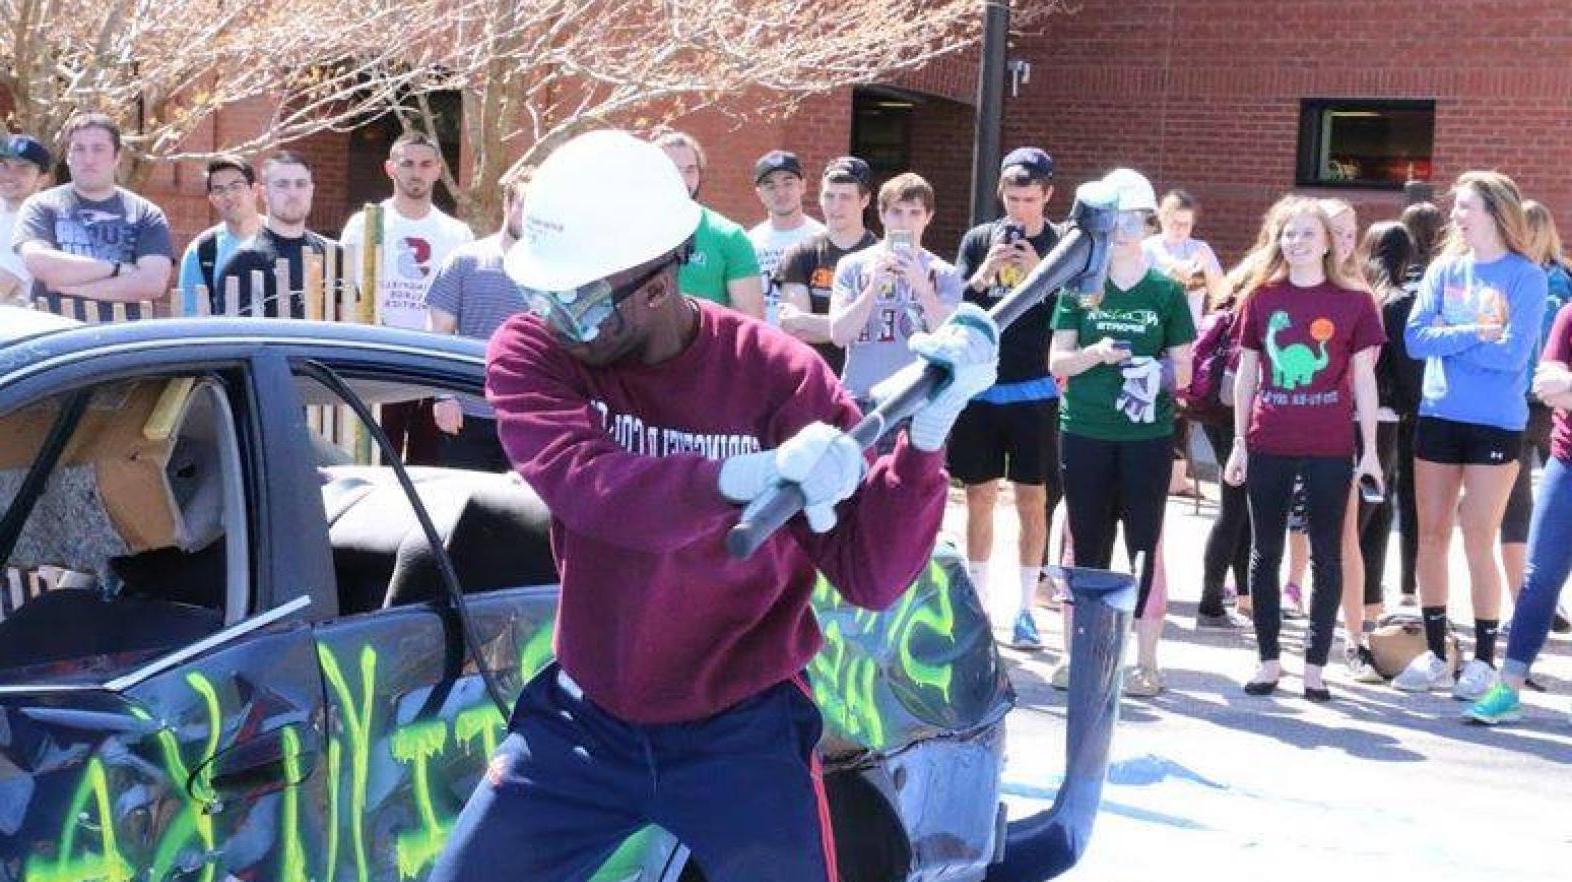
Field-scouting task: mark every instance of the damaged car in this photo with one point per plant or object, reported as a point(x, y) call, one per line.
point(240, 640)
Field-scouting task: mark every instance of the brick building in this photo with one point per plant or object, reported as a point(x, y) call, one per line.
point(1234, 100)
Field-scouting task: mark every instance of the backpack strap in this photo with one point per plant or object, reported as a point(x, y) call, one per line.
point(207, 257)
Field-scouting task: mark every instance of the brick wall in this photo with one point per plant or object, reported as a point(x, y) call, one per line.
point(1204, 94)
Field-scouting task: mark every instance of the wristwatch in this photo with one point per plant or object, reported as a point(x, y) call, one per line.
point(116, 271)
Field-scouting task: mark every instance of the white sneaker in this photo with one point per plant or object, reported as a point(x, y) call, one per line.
point(1424, 674)
point(1474, 681)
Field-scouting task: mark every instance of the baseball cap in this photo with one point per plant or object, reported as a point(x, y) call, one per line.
point(848, 170)
point(1034, 159)
point(25, 147)
point(774, 161)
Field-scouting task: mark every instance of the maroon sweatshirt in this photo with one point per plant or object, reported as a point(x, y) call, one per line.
point(657, 623)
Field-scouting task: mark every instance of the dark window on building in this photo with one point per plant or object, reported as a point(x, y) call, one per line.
point(881, 135)
point(1362, 143)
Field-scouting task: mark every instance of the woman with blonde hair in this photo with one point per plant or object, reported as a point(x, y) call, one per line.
point(1476, 323)
point(1544, 248)
point(1308, 339)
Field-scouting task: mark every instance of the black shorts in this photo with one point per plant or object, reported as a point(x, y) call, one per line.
point(1452, 443)
point(1019, 441)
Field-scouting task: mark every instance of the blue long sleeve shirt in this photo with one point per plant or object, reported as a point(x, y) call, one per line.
point(1485, 381)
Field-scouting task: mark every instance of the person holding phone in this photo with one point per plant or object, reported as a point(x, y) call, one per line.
point(1308, 340)
point(884, 294)
point(1385, 253)
point(1124, 350)
point(1011, 431)
point(1476, 323)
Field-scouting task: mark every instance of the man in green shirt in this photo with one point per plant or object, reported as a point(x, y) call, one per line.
point(723, 267)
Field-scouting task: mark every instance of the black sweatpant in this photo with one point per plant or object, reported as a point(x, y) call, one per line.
point(1109, 482)
point(1053, 480)
point(1270, 482)
point(1407, 507)
point(1375, 521)
point(1228, 544)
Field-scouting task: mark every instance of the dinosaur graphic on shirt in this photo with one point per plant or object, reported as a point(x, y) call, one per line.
point(1295, 365)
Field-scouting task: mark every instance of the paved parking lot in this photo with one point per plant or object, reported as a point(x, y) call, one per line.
point(1207, 782)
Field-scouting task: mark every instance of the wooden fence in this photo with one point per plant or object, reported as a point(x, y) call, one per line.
point(326, 295)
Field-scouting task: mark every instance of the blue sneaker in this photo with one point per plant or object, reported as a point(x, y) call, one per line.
point(1499, 705)
point(1024, 634)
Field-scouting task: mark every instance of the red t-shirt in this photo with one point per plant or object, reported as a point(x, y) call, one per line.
point(1307, 338)
point(1559, 348)
point(657, 622)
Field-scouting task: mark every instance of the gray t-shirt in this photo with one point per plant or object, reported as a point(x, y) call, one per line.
point(880, 350)
point(120, 229)
point(472, 286)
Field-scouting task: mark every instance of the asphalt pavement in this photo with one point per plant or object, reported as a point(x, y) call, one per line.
point(1209, 783)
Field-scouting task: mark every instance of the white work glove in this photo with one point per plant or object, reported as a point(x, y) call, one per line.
point(1143, 378)
point(824, 462)
point(966, 348)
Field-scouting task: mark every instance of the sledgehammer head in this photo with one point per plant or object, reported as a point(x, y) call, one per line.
point(1096, 205)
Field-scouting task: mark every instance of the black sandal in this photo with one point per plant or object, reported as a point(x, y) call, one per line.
point(1260, 687)
point(1318, 695)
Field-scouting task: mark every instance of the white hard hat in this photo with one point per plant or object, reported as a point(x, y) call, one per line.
point(1135, 191)
point(601, 203)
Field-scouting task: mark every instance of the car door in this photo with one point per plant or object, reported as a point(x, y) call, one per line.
point(411, 724)
point(162, 759)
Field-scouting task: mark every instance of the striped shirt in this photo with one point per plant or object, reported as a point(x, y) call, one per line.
point(472, 286)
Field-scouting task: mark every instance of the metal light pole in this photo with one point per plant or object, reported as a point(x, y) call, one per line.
point(986, 151)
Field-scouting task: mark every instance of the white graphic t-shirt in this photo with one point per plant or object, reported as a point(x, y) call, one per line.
point(768, 245)
point(412, 250)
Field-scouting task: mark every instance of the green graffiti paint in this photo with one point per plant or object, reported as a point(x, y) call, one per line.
point(293, 863)
point(482, 721)
point(415, 745)
point(105, 865)
point(843, 684)
point(192, 819)
point(335, 763)
point(357, 721)
point(937, 619)
point(845, 673)
point(537, 651)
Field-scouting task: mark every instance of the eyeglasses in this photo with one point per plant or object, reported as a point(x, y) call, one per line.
point(1130, 223)
point(577, 315)
point(228, 189)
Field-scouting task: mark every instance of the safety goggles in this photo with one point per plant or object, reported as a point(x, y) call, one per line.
point(577, 314)
point(1130, 223)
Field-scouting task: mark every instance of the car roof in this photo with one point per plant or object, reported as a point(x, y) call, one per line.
point(52, 336)
point(17, 323)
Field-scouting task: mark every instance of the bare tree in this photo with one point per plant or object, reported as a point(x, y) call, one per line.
point(163, 68)
point(530, 72)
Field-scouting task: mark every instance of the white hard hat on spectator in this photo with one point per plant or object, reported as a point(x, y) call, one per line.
point(602, 203)
point(1135, 191)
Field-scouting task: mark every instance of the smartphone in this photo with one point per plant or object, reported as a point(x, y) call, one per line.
point(1122, 345)
point(900, 240)
point(1014, 233)
point(1369, 491)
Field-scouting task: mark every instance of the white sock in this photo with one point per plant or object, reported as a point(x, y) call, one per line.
point(977, 571)
point(1029, 577)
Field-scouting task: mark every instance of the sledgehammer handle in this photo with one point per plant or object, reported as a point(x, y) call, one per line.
point(1069, 261)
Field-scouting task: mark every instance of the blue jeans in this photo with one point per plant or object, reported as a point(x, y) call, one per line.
point(741, 789)
point(1549, 564)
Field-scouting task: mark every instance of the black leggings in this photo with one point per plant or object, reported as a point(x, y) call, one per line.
point(1106, 482)
point(1228, 544)
point(1407, 506)
point(1053, 479)
point(1270, 482)
point(1375, 521)
point(1520, 505)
